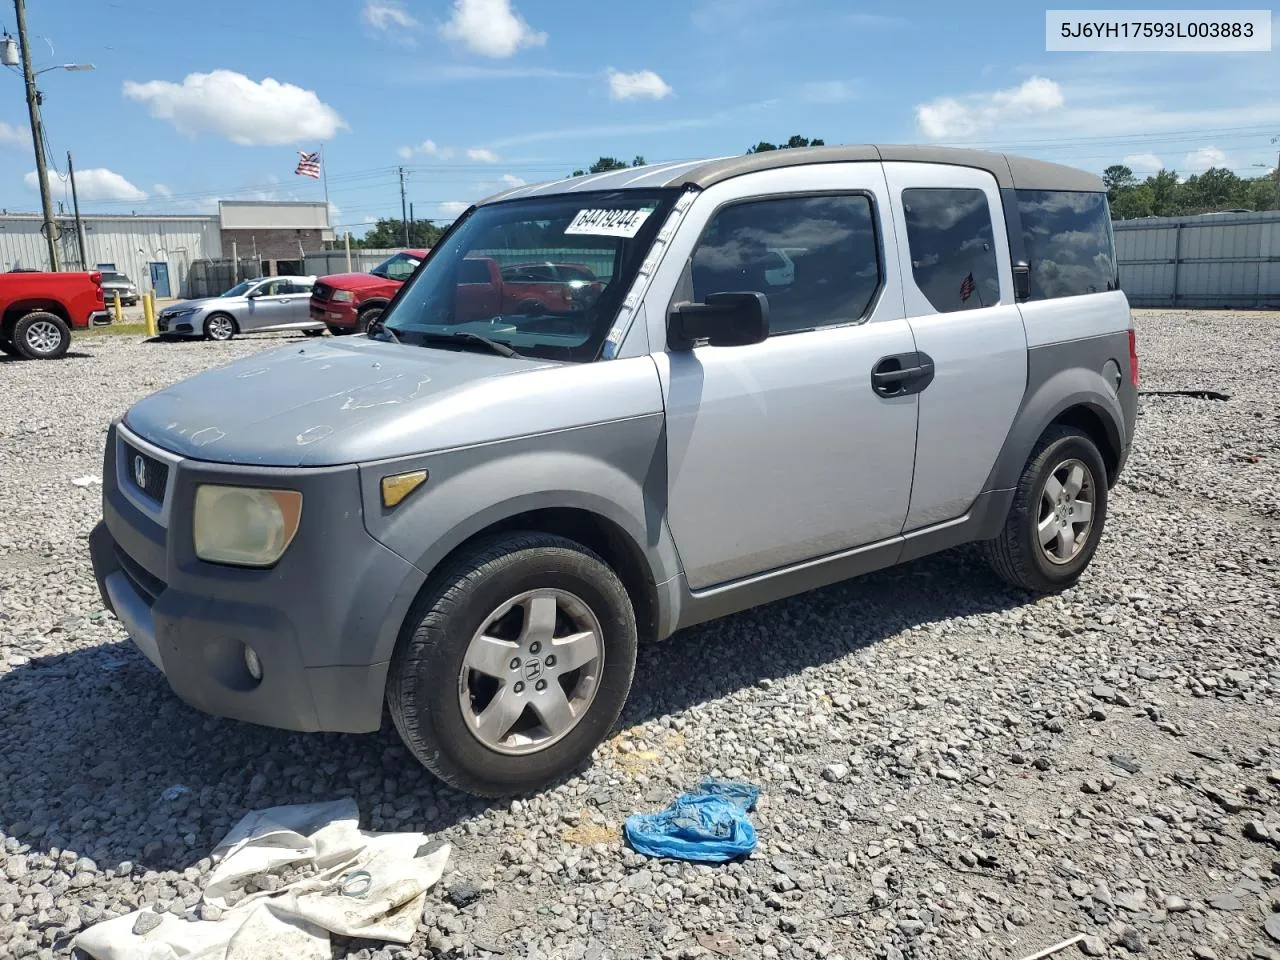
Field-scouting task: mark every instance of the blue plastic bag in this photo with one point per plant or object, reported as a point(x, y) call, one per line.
point(707, 827)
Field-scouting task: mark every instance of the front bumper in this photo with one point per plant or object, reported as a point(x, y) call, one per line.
point(323, 621)
point(333, 314)
point(184, 324)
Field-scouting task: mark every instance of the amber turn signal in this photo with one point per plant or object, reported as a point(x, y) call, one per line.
point(398, 486)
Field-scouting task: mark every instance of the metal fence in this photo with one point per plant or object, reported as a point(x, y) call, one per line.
point(1214, 260)
point(209, 278)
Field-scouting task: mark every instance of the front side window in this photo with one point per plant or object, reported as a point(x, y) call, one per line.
point(466, 288)
point(1069, 241)
point(271, 288)
point(397, 267)
point(952, 247)
point(816, 259)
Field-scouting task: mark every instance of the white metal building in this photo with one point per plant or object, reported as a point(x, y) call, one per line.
point(152, 250)
point(156, 250)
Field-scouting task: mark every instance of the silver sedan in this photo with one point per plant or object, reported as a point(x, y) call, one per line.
point(264, 303)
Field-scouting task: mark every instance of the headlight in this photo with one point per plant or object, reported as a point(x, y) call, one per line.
point(243, 526)
point(178, 313)
point(343, 296)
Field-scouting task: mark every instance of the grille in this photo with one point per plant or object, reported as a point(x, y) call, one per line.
point(322, 291)
point(155, 473)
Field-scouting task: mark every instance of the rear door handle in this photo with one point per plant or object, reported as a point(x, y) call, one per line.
point(902, 374)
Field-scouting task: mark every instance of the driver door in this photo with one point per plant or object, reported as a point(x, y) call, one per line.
point(784, 451)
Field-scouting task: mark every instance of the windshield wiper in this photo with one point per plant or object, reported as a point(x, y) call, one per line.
point(497, 347)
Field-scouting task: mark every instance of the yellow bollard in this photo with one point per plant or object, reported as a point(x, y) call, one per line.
point(149, 312)
point(117, 314)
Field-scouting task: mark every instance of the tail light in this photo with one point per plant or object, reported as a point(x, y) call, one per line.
point(1133, 357)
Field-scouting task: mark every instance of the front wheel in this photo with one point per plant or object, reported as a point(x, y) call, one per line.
point(219, 327)
point(41, 336)
point(1056, 520)
point(515, 665)
point(367, 317)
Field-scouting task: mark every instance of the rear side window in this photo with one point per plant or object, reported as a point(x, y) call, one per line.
point(952, 246)
point(817, 259)
point(1069, 241)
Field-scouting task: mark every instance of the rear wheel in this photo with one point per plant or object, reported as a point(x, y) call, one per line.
point(1057, 517)
point(220, 326)
point(41, 336)
point(515, 665)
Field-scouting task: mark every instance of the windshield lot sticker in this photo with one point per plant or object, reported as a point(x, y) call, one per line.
point(608, 223)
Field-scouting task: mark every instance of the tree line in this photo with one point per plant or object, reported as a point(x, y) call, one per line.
point(1165, 194)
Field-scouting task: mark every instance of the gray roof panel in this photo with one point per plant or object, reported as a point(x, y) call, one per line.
point(1009, 171)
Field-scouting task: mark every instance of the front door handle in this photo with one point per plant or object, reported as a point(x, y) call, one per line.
point(902, 374)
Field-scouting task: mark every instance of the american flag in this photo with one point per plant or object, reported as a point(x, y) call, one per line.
point(308, 165)
point(966, 287)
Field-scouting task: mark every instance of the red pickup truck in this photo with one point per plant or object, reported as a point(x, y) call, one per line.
point(38, 311)
point(486, 289)
point(349, 302)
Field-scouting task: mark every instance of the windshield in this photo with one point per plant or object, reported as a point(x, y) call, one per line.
point(398, 267)
point(544, 276)
point(240, 289)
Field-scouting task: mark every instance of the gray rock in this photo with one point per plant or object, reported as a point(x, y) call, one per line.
point(1225, 901)
point(145, 923)
point(1092, 946)
point(835, 772)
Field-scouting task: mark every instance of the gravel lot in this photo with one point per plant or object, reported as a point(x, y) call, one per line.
point(949, 769)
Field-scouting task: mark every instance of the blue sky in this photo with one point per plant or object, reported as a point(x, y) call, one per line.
point(191, 103)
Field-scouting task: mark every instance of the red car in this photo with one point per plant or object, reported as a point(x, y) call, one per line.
point(38, 311)
point(349, 302)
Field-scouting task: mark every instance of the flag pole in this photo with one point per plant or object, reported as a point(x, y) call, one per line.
point(324, 172)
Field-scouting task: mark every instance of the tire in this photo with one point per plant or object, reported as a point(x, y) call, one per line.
point(220, 326)
point(41, 336)
point(366, 317)
point(1017, 555)
point(435, 701)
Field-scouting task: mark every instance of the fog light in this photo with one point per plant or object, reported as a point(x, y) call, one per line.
point(252, 662)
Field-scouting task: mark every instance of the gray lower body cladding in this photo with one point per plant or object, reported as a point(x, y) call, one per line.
point(318, 620)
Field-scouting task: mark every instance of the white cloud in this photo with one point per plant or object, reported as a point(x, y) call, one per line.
point(11, 136)
point(828, 91)
point(160, 190)
point(387, 15)
point(269, 113)
point(335, 212)
point(643, 84)
point(949, 117)
point(490, 28)
point(1143, 163)
point(1198, 161)
point(453, 208)
point(427, 148)
point(95, 183)
point(482, 155)
point(513, 181)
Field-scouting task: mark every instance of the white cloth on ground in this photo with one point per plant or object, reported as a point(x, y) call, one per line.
point(292, 922)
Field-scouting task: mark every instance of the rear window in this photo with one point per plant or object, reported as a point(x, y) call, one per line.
point(1069, 241)
point(952, 245)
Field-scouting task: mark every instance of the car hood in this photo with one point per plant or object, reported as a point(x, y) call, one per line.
point(354, 281)
point(187, 305)
point(323, 404)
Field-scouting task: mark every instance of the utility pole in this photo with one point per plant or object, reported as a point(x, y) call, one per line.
point(49, 227)
point(75, 203)
point(404, 217)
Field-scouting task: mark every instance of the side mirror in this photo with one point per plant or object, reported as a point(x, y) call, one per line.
point(724, 320)
point(1021, 281)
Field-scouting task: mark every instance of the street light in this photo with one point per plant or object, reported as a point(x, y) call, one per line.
point(49, 229)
